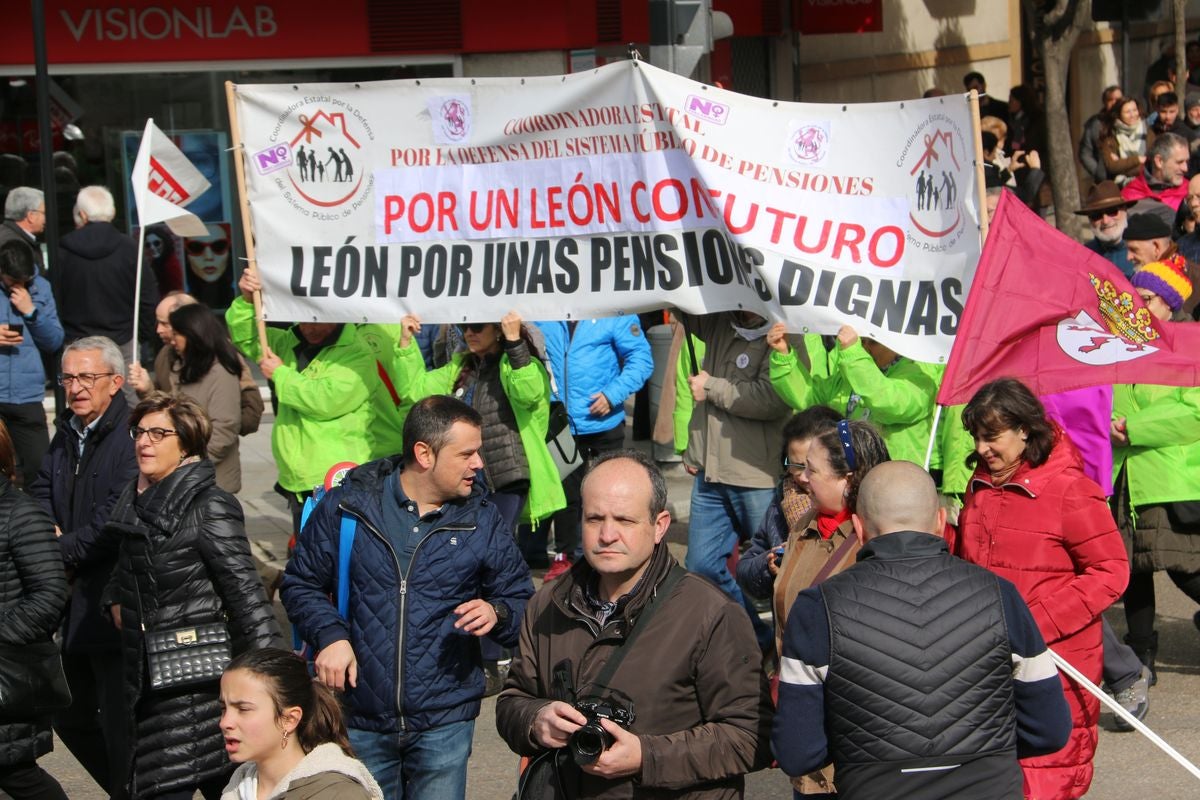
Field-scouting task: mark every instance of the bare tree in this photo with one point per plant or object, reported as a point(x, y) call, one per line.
point(1181, 67)
point(1056, 25)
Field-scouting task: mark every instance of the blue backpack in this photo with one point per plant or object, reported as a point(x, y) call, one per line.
point(346, 531)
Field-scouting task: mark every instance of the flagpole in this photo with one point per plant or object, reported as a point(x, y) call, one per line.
point(937, 415)
point(980, 180)
point(137, 280)
point(239, 163)
point(1116, 708)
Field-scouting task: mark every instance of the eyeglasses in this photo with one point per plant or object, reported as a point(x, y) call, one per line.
point(85, 379)
point(219, 247)
point(1096, 216)
point(156, 434)
point(793, 466)
point(474, 327)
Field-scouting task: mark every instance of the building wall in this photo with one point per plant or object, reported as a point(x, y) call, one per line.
point(922, 45)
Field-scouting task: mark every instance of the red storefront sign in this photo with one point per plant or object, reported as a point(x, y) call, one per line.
point(837, 16)
point(99, 32)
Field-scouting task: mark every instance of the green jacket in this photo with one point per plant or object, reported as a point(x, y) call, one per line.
point(324, 411)
point(390, 409)
point(528, 391)
point(954, 445)
point(1162, 459)
point(900, 402)
point(681, 416)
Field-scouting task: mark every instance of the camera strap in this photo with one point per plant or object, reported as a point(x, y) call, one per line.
point(661, 592)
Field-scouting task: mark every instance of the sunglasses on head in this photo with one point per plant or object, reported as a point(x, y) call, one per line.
point(474, 327)
point(219, 247)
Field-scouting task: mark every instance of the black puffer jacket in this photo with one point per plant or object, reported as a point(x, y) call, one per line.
point(79, 492)
point(33, 592)
point(184, 558)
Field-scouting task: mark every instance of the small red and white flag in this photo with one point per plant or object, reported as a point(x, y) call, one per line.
point(164, 183)
point(1045, 309)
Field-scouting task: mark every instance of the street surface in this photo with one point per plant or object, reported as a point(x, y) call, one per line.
point(1127, 764)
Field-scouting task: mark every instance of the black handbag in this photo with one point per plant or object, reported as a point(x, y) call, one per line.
point(187, 656)
point(32, 682)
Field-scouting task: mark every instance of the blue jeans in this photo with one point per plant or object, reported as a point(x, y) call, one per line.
point(719, 513)
point(430, 765)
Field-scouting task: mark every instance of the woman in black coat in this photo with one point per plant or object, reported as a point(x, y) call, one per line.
point(33, 593)
point(184, 560)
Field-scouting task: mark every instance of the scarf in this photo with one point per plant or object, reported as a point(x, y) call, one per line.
point(828, 523)
point(1131, 139)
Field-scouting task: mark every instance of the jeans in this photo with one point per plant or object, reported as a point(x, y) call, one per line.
point(719, 515)
point(93, 726)
point(430, 765)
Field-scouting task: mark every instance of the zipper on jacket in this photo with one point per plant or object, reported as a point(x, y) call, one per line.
point(403, 575)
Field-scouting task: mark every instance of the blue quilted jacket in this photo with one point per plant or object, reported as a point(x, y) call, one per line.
point(22, 377)
point(415, 671)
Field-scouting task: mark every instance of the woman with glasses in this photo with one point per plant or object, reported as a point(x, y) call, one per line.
point(500, 374)
point(758, 566)
point(823, 543)
point(207, 371)
point(183, 560)
point(208, 257)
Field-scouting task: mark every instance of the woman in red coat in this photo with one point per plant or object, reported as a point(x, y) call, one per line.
point(1033, 517)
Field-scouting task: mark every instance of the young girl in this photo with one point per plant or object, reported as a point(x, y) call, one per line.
point(286, 731)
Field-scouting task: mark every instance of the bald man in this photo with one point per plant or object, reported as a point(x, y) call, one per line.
point(917, 674)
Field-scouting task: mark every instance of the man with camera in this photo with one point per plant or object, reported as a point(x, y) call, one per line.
point(632, 672)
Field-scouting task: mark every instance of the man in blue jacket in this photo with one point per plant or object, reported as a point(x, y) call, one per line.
point(917, 674)
point(594, 366)
point(432, 568)
point(29, 328)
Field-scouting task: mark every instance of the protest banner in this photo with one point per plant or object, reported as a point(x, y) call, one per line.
point(622, 189)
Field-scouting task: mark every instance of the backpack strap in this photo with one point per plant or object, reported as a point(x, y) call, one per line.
point(349, 527)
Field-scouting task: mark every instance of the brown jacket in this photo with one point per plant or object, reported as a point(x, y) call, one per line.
point(734, 434)
point(220, 395)
point(805, 558)
point(703, 709)
point(1129, 166)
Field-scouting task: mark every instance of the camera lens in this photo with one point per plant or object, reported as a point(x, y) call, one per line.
point(588, 743)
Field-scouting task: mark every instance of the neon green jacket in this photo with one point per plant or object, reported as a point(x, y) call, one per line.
point(528, 391)
point(1162, 458)
point(390, 411)
point(324, 412)
point(684, 402)
point(899, 402)
point(954, 444)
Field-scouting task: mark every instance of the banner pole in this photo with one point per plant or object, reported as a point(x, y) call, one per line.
point(239, 164)
point(137, 289)
point(980, 179)
point(1116, 708)
point(937, 415)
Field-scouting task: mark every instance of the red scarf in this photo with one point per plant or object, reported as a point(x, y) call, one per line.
point(828, 523)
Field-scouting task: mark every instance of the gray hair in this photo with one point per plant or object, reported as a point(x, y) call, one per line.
point(109, 352)
point(97, 203)
point(21, 201)
point(1164, 144)
point(658, 484)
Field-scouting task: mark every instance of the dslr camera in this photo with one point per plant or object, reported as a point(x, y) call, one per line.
point(591, 740)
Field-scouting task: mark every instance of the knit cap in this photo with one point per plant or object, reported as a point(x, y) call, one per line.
point(1167, 278)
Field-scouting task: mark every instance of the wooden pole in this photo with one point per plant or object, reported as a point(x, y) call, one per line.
point(980, 180)
point(239, 163)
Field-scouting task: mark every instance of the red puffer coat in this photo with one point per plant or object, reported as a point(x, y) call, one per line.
point(1050, 532)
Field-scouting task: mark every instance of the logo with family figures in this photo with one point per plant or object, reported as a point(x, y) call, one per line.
point(935, 161)
point(451, 118)
point(326, 157)
point(809, 144)
point(1124, 336)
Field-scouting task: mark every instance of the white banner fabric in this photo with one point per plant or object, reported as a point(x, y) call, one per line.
point(618, 190)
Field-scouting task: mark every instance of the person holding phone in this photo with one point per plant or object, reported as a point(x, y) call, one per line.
point(29, 326)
